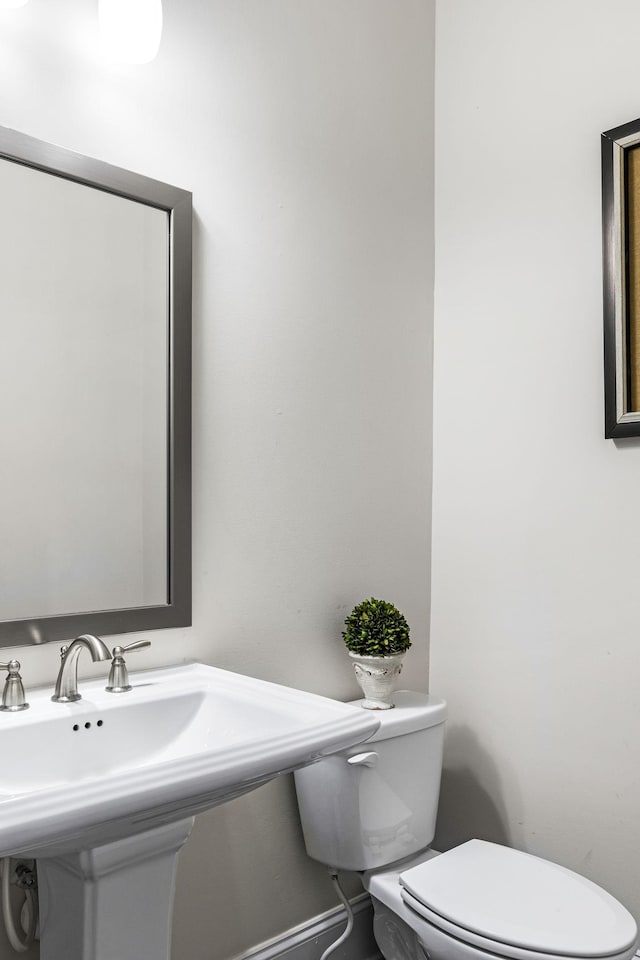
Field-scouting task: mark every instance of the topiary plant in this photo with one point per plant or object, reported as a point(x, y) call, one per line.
point(375, 628)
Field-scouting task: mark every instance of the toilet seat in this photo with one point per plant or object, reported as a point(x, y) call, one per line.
point(515, 905)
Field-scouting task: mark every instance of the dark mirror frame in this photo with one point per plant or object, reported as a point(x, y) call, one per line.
point(177, 203)
point(621, 269)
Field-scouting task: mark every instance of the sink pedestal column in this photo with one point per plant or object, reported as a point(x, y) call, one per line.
point(113, 902)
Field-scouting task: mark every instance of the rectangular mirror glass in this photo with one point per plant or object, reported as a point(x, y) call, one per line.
point(95, 281)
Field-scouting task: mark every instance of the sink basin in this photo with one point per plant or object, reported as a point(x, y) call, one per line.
point(184, 739)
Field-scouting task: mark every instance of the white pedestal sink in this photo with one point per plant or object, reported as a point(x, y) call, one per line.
point(102, 791)
point(114, 901)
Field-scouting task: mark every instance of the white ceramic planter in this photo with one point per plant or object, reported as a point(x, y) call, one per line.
point(377, 678)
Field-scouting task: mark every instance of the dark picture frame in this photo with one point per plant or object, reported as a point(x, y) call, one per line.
point(621, 276)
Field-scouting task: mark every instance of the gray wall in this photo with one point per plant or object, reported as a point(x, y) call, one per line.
point(304, 129)
point(536, 524)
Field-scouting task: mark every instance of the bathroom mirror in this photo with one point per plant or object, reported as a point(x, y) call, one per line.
point(95, 397)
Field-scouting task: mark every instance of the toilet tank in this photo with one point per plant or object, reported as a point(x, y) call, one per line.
point(376, 803)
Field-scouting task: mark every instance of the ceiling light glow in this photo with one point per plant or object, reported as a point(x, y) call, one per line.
point(130, 30)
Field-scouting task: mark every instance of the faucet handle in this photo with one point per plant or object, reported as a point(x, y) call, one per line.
point(137, 645)
point(119, 675)
point(13, 697)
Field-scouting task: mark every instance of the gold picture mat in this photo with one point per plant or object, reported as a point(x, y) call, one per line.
point(633, 275)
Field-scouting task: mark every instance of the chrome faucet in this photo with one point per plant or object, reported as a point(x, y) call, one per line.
point(67, 683)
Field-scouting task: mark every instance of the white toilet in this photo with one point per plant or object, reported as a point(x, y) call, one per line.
point(373, 808)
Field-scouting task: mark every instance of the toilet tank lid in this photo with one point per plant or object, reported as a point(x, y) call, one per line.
point(413, 711)
point(509, 897)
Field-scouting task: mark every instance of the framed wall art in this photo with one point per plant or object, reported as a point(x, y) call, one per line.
point(621, 270)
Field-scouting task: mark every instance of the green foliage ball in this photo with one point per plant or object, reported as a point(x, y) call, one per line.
point(375, 628)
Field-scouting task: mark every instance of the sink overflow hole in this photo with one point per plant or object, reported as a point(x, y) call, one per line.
point(87, 725)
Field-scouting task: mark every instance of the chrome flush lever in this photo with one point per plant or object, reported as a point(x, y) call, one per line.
point(119, 675)
point(368, 759)
point(13, 697)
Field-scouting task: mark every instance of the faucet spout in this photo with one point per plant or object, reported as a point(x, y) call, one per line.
point(67, 682)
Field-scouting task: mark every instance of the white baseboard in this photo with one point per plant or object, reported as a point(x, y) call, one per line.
point(309, 940)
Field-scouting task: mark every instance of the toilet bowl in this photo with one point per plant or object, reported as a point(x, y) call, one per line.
point(483, 900)
point(372, 809)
